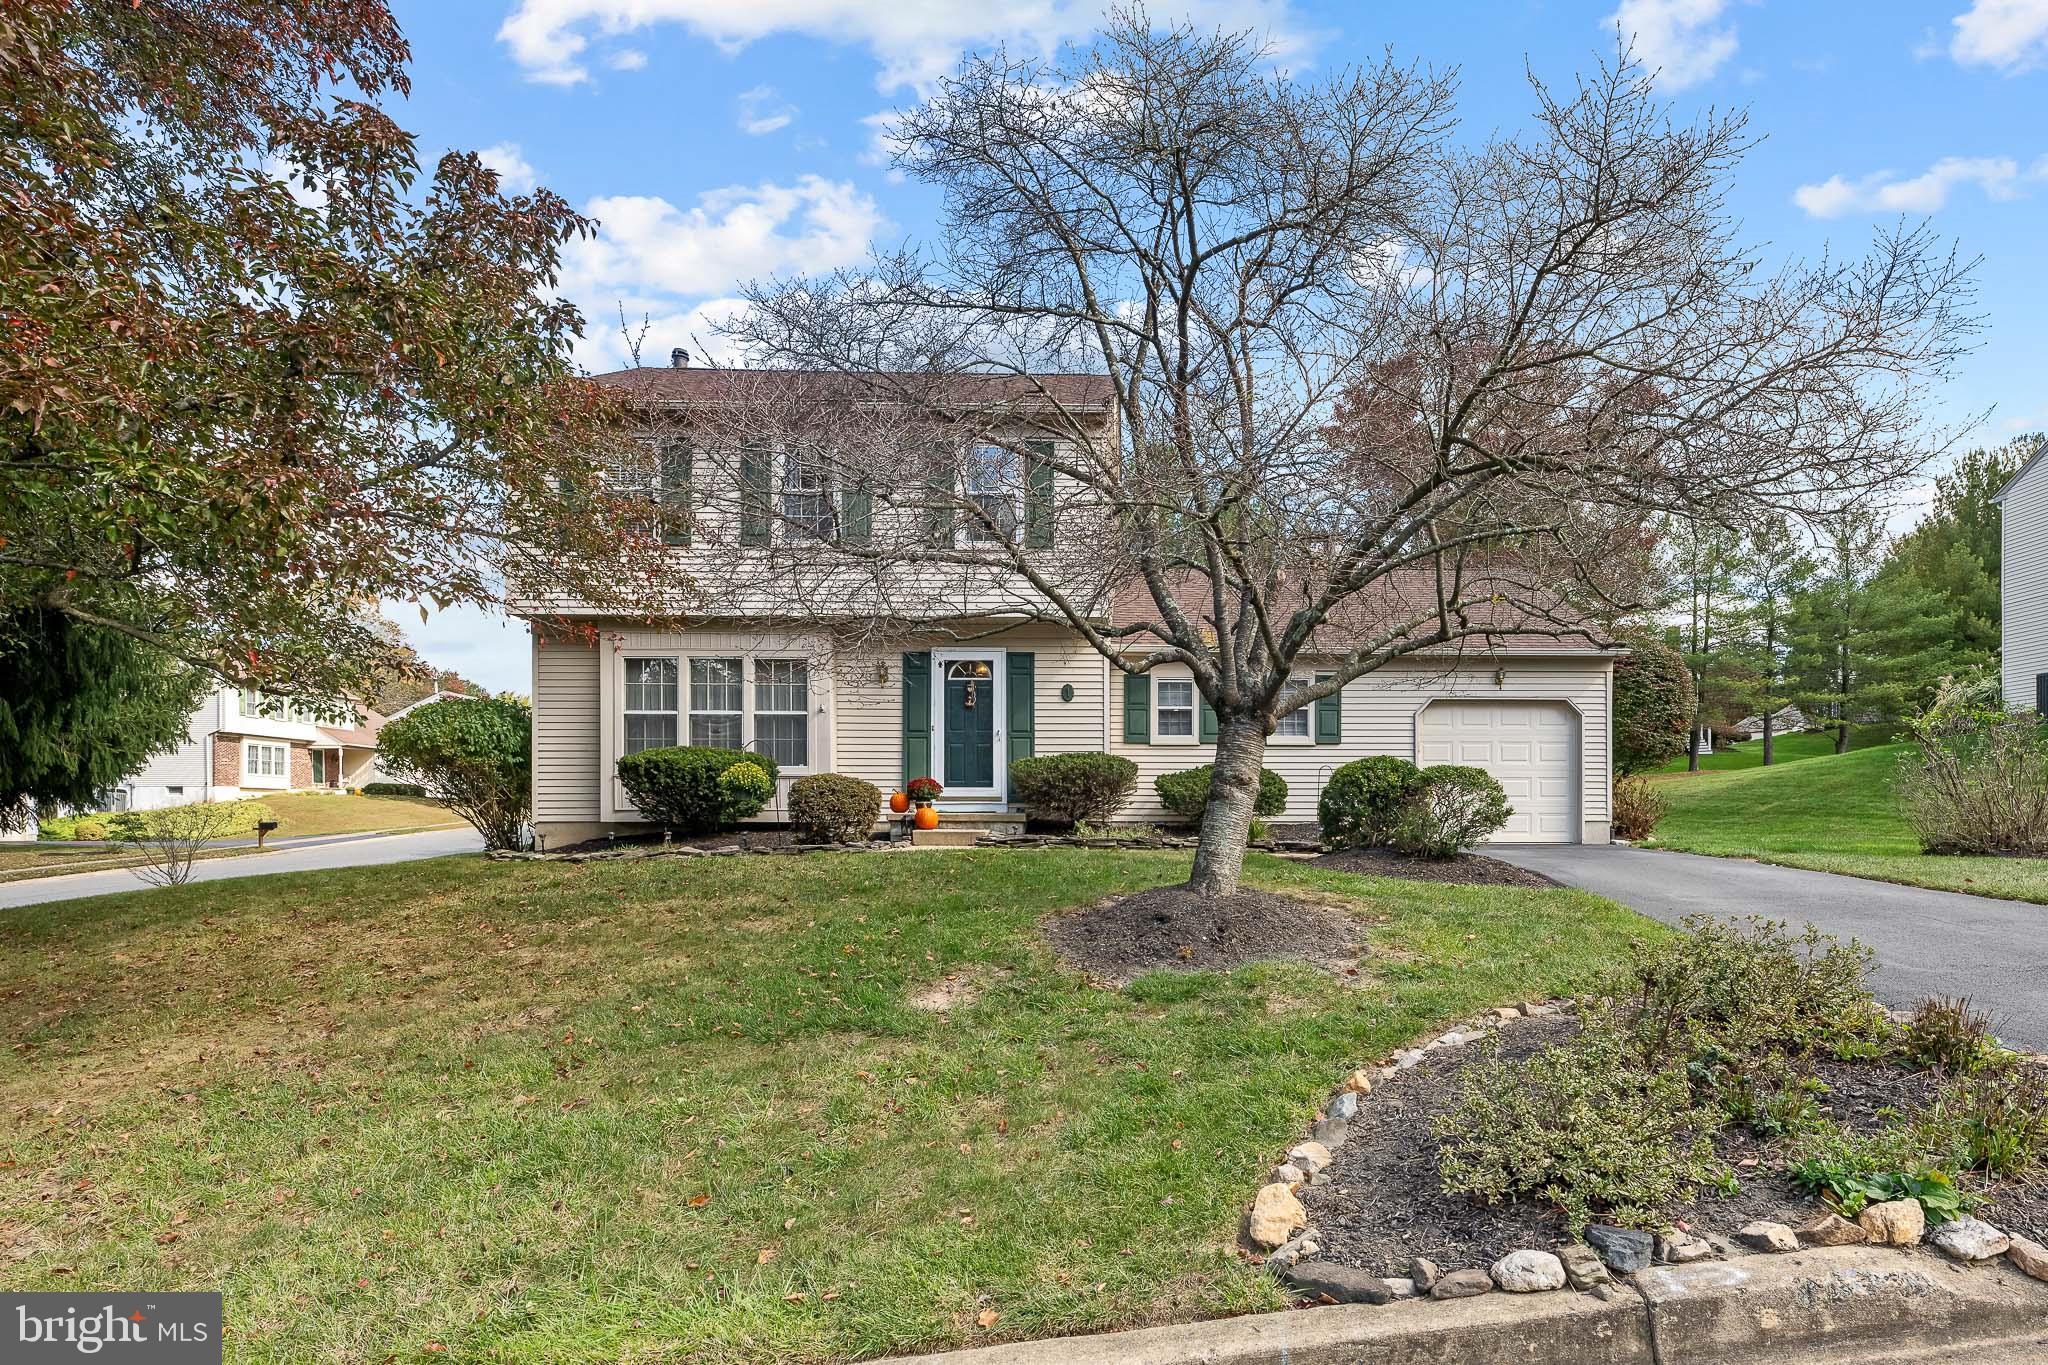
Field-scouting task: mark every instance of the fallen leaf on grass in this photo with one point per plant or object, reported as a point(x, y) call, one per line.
point(766, 1255)
point(698, 1201)
point(988, 1317)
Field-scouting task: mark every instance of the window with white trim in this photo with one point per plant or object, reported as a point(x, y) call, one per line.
point(807, 503)
point(782, 711)
point(1293, 725)
point(651, 704)
point(717, 698)
point(1175, 704)
point(267, 760)
point(992, 484)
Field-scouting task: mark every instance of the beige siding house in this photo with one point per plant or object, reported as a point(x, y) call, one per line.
point(969, 683)
point(2023, 583)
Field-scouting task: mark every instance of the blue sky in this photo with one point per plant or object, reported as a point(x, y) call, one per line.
point(720, 140)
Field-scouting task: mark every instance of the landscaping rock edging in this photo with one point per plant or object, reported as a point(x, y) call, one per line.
point(635, 851)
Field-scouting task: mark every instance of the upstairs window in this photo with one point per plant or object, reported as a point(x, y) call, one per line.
point(807, 504)
point(992, 487)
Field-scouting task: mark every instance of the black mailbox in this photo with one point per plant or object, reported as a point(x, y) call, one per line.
point(264, 827)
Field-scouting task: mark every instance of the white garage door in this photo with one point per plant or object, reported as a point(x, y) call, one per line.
point(1530, 747)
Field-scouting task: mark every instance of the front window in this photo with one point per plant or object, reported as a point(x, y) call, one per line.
point(651, 704)
point(1293, 725)
point(267, 760)
point(716, 698)
point(992, 488)
point(782, 711)
point(1177, 708)
point(807, 495)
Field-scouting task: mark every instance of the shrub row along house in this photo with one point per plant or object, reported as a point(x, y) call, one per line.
point(859, 591)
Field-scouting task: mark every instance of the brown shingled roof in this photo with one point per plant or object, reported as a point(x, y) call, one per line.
point(708, 384)
point(1516, 624)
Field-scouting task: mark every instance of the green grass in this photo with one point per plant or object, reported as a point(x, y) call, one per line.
point(1836, 815)
point(1784, 749)
point(676, 1109)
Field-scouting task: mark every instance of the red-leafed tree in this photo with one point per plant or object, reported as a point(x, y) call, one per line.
point(256, 371)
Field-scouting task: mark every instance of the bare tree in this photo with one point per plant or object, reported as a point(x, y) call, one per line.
point(1360, 393)
point(167, 842)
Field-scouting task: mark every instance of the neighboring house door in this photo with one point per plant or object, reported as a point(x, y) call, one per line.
point(969, 720)
point(1530, 747)
point(319, 767)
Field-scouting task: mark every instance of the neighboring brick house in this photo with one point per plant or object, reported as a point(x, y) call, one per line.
point(243, 743)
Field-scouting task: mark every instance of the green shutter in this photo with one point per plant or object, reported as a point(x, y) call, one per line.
point(675, 474)
point(1137, 709)
point(857, 514)
point(917, 715)
point(1329, 715)
point(754, 498)
point(1205, 719)
point(939, 490)
point(1023, 717)
point(1038, 495)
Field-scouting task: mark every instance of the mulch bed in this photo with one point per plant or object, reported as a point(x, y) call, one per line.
point(1381, 1203)
point(1467, 869)
point(1170, 928)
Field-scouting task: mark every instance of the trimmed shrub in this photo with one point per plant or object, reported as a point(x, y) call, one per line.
point(831, 808)
point(393, 789)
point(1652, 705)
point(1638, 806)
point(684, 787)
point(1186, 793)
point(1363, 801)
point(1950, 1033)
point(1453, 807)
point(1073, 788)
point(90, 827)
point(475, 754)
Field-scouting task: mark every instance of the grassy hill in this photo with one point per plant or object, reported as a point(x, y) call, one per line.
point(1784, 749)
point(1835, 814)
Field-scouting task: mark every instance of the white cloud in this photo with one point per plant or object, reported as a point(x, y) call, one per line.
point(2011, 35)
point(761, 111)
point(915, 41)
point(1677, 39)
point(515, 172)
point(680, 266)
point(1998, 176)
point(627, 59)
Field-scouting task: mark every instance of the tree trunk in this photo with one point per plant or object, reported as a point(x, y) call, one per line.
point(1767, 736)
point(1842, 738)
point(1233, 791)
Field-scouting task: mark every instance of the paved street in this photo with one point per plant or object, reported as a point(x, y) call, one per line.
point(1927, 942)
point(312, 855)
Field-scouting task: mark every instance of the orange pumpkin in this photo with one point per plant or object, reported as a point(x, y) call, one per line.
point(927, 817)
point(898, 802)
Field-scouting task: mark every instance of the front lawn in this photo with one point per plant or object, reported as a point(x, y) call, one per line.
point(1836, 814)
point(546, 1112)
point(1784, 749)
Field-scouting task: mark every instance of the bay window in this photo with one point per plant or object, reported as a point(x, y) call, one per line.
point(716, 700)
point(782, 711)
point(651, 697)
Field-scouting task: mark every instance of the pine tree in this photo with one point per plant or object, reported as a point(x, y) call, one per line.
point(1775, 571)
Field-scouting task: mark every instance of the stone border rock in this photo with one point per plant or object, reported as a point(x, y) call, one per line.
point(635, 851)
point(1277, 1230)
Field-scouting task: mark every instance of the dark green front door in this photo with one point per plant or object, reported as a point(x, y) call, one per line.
point(970, 722)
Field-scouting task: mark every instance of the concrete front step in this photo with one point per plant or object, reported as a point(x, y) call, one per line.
point(943, 837)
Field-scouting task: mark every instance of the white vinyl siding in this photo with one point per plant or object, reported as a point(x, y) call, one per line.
point(567, 747)
point(2023, 566)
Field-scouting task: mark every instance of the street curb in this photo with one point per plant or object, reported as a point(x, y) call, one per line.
point(1860, 1303)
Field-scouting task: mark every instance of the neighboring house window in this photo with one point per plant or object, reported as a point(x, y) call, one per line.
point(1176, 708)
point(993, 487)
point(716, 698)
point(1293, 725)
point(782, 711)
point(267, 760)
point(174, 791)
point(257, 705)
point(651, 702)
point(807, 503)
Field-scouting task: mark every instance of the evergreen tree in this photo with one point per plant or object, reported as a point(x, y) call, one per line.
point(1706, 561)
point(1774, 572)
point(1953, 552)
point(1862, 650)
point(82, 707)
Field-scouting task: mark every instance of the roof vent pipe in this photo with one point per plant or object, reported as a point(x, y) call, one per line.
point(679, 359)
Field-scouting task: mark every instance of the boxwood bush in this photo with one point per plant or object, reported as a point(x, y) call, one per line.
point(1073, 788)
point(1363, 801)
point(831, 808)
point(393, 789)
point(1186, 793)
point(682, 788)
point(1453, 807)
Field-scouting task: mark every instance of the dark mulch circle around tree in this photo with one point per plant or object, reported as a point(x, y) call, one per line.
point(1381, 1203)
point(1467, 869)
point(1170, 928)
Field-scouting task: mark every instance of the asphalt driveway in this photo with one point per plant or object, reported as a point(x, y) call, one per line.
point(1927, 942)
point(314, 855)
